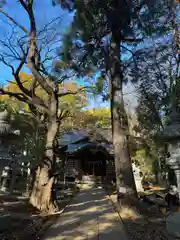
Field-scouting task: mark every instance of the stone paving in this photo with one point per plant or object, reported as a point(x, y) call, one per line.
point(90, 216)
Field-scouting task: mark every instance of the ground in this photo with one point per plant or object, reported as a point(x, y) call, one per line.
point(148, 223)
point(90, 216)
point(21, 220)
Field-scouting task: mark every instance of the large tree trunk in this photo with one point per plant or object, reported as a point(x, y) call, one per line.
point(41, 196)
point(126, 188)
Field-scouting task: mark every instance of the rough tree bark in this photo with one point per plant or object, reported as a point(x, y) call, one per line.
point(41, 195)
point(126, 188)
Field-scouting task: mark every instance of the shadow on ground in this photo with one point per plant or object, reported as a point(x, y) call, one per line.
point(90, 216)
point(22, 221)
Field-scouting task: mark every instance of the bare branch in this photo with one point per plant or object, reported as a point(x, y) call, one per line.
point(65, 77)
point(14, 21)
point(34, 55)
point(10, 49)
point(16, 73)
point(73, 92)
point(7, 64)
point(45, 28)
point(26, 95)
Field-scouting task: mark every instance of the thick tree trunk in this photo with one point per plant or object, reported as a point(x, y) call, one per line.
point(41, 196)
point(126, 188)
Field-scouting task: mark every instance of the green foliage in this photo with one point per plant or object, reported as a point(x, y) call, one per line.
point(32, 134)
point(144, 159)
point(99, 84)
point(86, 44)
point(95, 22)
point(88, 118)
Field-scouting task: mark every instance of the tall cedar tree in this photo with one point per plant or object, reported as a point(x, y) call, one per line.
point(101, 30)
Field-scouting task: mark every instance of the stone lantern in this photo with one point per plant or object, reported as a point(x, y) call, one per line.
point(171, 136)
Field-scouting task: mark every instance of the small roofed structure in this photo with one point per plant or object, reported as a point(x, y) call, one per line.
point(89, 153)
point(88, 157)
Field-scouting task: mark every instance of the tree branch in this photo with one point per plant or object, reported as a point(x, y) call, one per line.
point(16, 73)
point(72, 92)
point(23, 98)
point(14, 21)
point(31, 97)
point(27, 6)
point(19, 96)
point(34, 55)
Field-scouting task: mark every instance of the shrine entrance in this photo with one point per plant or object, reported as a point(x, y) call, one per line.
point(94, 164)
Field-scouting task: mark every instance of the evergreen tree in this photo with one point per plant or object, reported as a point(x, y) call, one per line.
point(102, 35)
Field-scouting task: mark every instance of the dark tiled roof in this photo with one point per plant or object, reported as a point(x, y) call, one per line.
point(82, 139)
point(99, 136)
point(72, 148)
point(72, 137)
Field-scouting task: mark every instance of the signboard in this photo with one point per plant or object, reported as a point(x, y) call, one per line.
point(122, 190)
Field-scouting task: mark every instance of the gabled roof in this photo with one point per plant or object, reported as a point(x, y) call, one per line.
point(72, 137)
point(73, 148)
point(78, 140)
